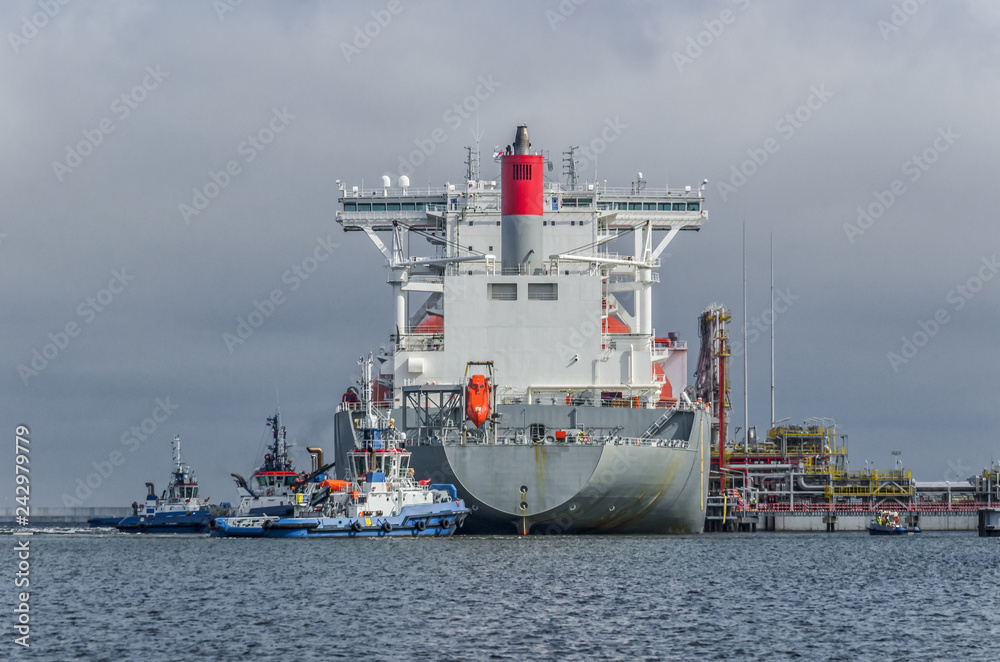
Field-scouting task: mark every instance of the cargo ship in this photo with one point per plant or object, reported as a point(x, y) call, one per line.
point(524, 367)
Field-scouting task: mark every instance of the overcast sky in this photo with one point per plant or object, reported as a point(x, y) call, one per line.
point(118, 116)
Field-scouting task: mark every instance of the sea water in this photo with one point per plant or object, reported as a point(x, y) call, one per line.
point(764, 596)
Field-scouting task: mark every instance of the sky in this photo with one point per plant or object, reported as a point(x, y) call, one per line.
point(168, 166)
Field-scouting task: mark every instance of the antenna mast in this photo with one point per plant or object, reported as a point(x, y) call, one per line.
point(746, 399)
point(472, 163)
point(772, 328)
point(569, 166)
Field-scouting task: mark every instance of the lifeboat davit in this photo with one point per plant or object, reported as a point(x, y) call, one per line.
point(477, 400)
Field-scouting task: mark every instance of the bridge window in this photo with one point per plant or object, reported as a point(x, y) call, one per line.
point(350, 206)
point(409, 206)
point(378, 206)
point(678, 206)
point(359, 466)
point(649, 206)
point(364, 206)
point(503, 291)
point(392, 206)
point(694, 206)
point(635, 206)
point(421, 206)
point(664, 206)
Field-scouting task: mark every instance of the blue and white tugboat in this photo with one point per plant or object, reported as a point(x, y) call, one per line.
point(178, 510)
point(886, 523)
point(272, 488)
point(380, 498)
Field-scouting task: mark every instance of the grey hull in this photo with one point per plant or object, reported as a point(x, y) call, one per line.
point(569, 488)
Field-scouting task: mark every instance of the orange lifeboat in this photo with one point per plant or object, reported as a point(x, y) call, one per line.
point(477, 400)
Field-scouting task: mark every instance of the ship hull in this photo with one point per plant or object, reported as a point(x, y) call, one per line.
point(179, 522)
point(654, 485)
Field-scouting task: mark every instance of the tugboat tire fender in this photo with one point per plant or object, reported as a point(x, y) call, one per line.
point(420, 524)
point(387, 526)
point(444, 523)
point(356, 526)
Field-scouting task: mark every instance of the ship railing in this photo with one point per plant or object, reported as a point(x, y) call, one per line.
point(359, 406)
point(380, 193)
point(487, 188)
point(515, 439)
point(387, 216)
point(419, 342)
point(584, 188)
point(614, 440)
point(958, 507)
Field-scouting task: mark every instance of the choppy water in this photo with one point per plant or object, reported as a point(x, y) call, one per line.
point(770, 596)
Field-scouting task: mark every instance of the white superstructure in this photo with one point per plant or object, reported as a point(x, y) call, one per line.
point(563, 331)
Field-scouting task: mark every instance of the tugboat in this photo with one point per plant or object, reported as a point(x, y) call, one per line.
point(380, 498)
point(178, 510)
point(886, 523)
point(272, 488)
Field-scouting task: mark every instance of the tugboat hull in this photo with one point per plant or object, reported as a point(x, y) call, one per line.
point(441, 522)
point(196, 522)
point(882, 530)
